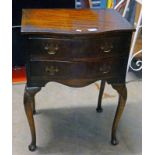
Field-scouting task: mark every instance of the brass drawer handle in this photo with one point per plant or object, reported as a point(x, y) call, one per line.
point(51, 70)
point(107, 51)
point(105, 69)
point(51, 51)
point(104, 50)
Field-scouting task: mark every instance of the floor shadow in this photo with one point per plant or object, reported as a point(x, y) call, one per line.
point(82, 131)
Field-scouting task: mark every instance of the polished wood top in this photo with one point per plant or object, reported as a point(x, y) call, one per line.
point(72, 21)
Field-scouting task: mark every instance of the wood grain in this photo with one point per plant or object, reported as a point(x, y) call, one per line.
point(72, 21)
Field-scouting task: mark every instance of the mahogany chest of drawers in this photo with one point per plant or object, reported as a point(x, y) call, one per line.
point(75, 48)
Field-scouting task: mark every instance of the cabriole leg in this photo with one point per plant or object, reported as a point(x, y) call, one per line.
point(122, 91)
point(29, 106)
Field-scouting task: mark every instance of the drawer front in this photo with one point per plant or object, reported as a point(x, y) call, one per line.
point(75, 70)
point(66, 49)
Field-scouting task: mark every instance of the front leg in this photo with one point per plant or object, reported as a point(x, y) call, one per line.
point(29, 95)
point(122, 91)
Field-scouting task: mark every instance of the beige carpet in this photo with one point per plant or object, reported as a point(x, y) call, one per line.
point(67, 123)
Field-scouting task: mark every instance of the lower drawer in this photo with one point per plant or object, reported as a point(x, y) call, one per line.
point(55, 70)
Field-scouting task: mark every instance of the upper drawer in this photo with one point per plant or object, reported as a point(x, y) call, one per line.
point(65, 49)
